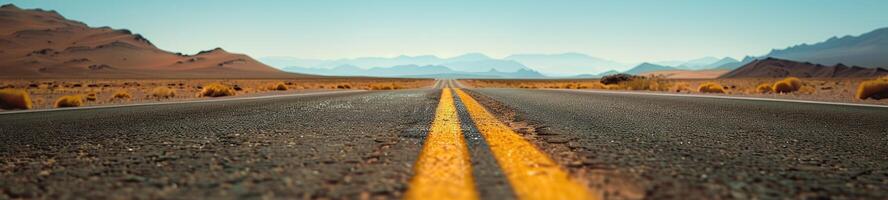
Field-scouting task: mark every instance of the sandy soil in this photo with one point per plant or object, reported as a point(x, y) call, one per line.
point(818, 89)
point(687, 74)
point(44, 92)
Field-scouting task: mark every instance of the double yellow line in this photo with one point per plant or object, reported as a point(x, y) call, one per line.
point(444, 170)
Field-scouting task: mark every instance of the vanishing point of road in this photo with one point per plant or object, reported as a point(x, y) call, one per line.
point(449, 142)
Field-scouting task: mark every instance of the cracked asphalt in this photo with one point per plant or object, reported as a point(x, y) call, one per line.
point(362, 145)
point(665, 147)
point(347, 145)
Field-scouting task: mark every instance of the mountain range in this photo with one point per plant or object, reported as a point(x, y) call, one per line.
point(775, 67)
point(566, 63)
point(869, 50)
point(35, 43)
point(437, 71)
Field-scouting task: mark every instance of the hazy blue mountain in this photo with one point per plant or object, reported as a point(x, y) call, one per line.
point(670, 62)
point(469, 57)
point(599, 75)
point(611, 72)
point(429, 71)
point(699, 63)
point(485, 65)
point(369, 62)
point(867, 50)
point(283, 61)
point(721, 62)
point(648, 67)
point(471, 62)
point(521, 73)
point(566, 63)
point(342, 70)
point(736, 64)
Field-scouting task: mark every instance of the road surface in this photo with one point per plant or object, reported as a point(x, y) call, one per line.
point(443, 142)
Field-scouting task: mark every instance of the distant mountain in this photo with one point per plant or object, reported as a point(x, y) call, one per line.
point(599, 75)
point(721, 62)
point(284, 61)
point(485, 65)
point(566, 63)
point(774, 67)
point(734, 65)
point(36, 43)
point(471, 62)
point(427, 71)
point(670, 62)
point(368, 62)
point(648, 67)
point(868, 50)
point(699, 63)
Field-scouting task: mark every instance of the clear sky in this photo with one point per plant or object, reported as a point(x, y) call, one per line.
point(627, 31)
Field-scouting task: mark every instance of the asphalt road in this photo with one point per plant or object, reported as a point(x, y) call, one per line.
point(347, 145)
point(364, 144)
point(666, 147)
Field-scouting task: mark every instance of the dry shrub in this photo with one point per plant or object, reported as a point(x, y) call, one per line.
point(91, 96)
point(385, 86)
point(343, 86)
point(637, 84)
point(681, 86)
point(163, 92)
point(277, 86)
point(787, 85)
point(121, 95)
point(217, 90)
point(875, 89)
point(15, 99)
point(593, 85)
point(807, 89)
point(710, 87)
point(69, 101)
point(615, 87)
point(764, 88)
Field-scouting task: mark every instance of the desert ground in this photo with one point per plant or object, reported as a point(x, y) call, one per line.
point(47, 93)
point(816, 89)
point(388, 144)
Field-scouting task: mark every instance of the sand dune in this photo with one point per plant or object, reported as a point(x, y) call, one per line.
point(36, 43)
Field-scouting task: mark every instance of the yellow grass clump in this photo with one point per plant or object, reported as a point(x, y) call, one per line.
point(593, 85)
point(277, 86)
point(385, 86)
point(69, 101)
point(343, 86)
point(787, 85)
point(15, 99)
point(764, 88)
point(163, 92)
point(681, 86)
point(217, 90)
point(91, 96)
point(121, 95)
point(875, 89)
point(711, 87)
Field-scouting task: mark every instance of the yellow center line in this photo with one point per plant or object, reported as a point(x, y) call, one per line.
point(532, 174)
point(443, 169)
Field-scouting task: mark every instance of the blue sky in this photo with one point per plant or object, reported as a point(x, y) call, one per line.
point(627, 31)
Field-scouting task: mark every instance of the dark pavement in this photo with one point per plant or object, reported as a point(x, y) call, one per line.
point(347, 145)
point(363, 145)
point(664, 147)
